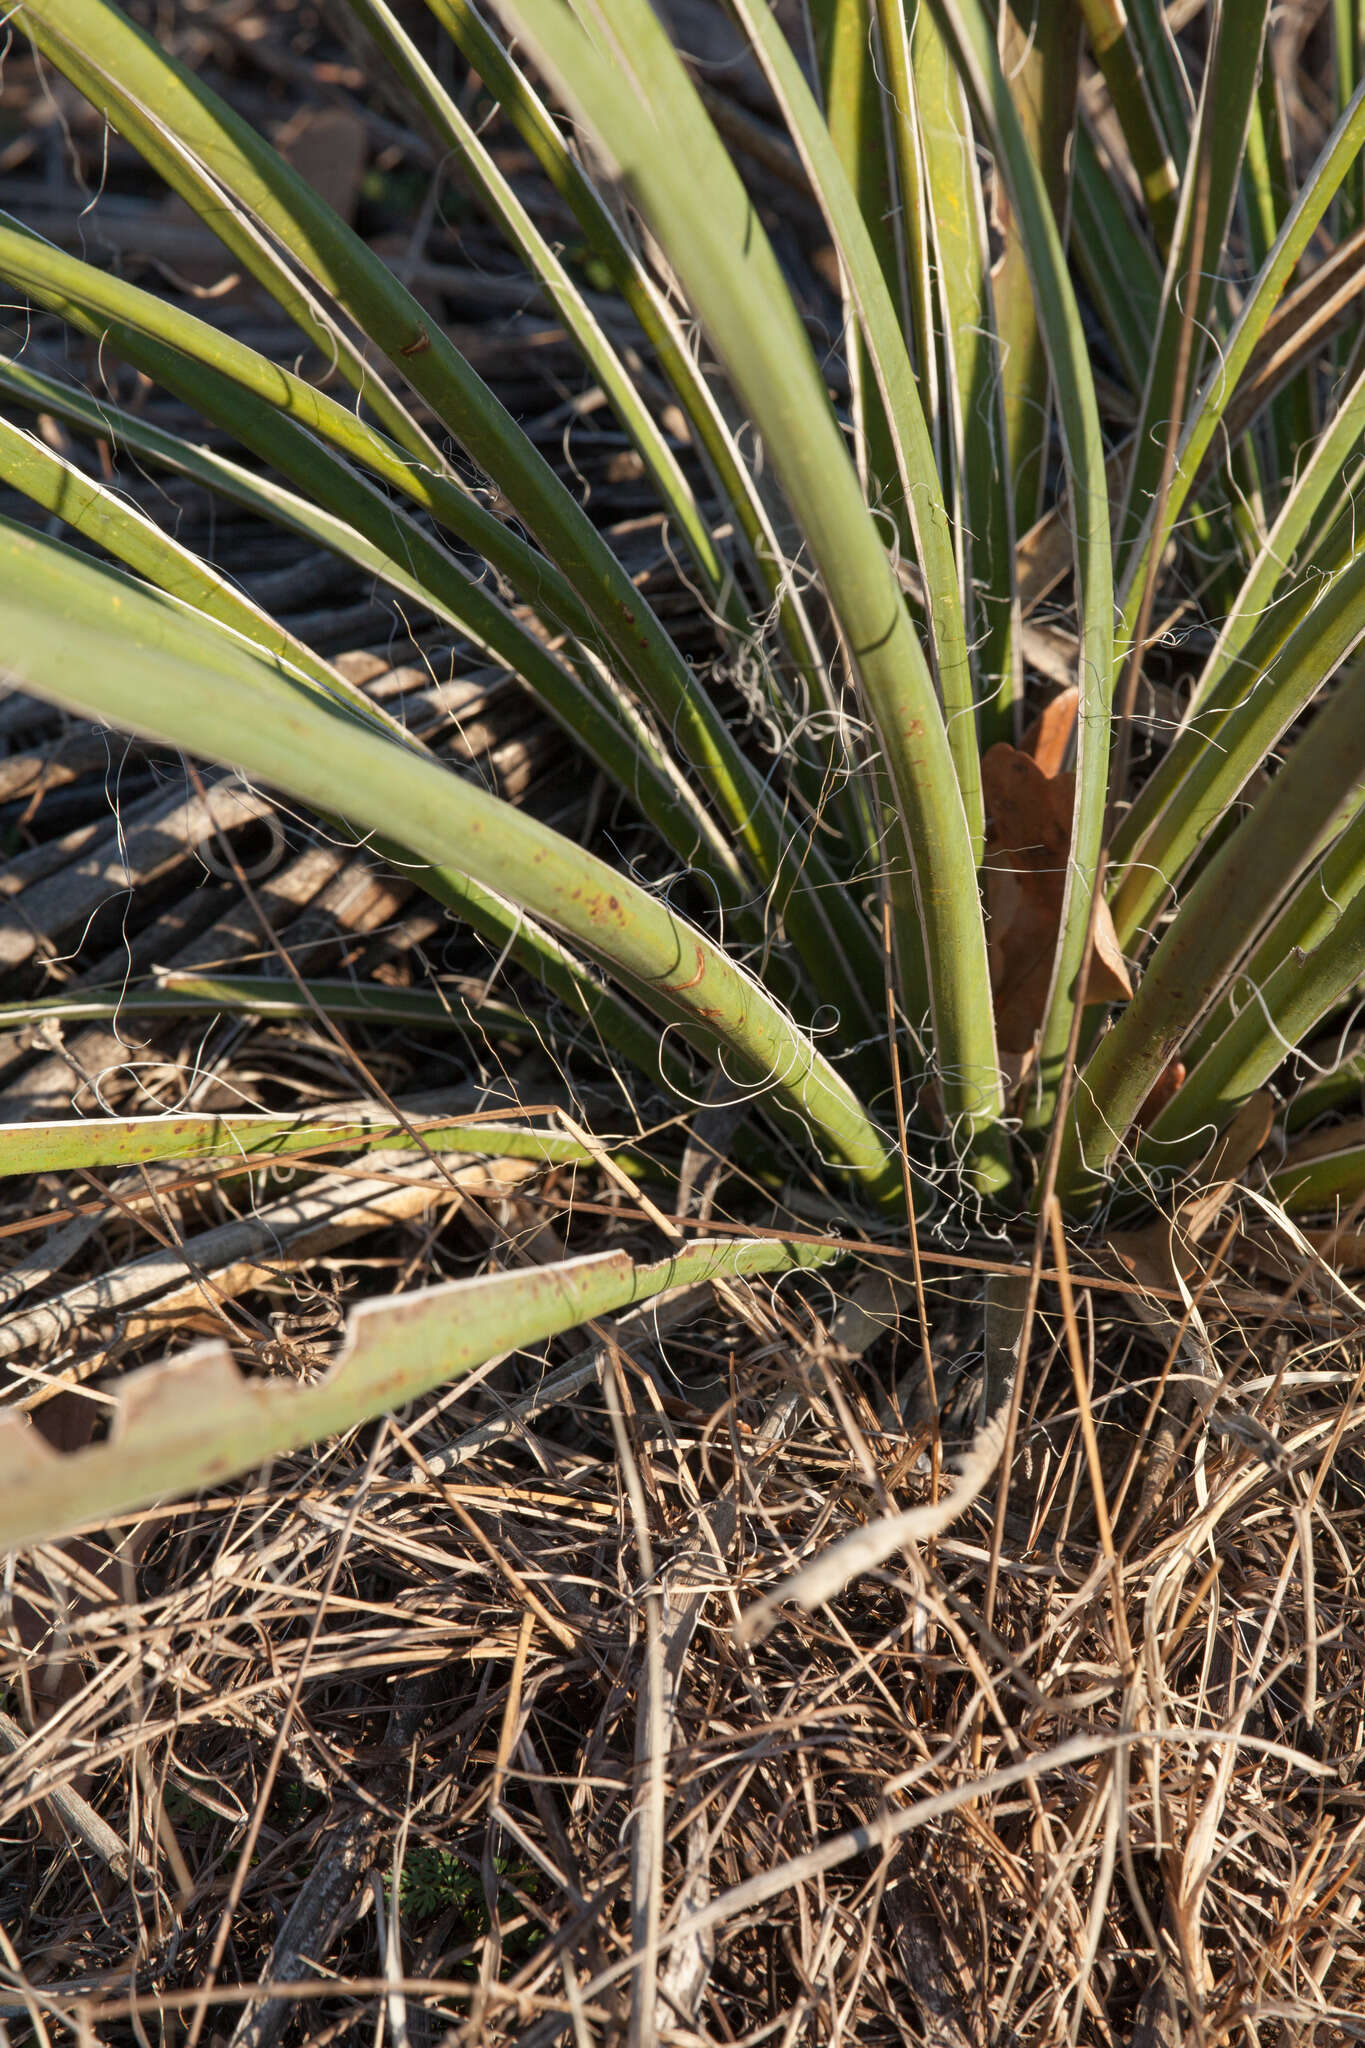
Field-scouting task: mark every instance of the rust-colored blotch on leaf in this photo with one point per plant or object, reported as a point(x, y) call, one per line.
point(1029, 801)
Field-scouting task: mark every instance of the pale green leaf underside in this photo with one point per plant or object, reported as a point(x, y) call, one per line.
point(78, 1142)
point(195, 1421)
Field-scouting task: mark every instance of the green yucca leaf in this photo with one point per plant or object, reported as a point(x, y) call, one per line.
point(1328, 1180)
point(457, 134)
point(285, 420)
point(1313, 953)
point(60, 608)
point(1083, 451)
point(847, 47)
point(1119, 57)
point(638, 102)
point(1115, 259)
point(1310, 539)
point(507, 82)
point(592, 1012)
point(1206, 410)
point(1348, 67)
point(972, 405)
point(132, 78)
point(1156, 53)
point(511, 932)
point(432, 578)
point(892, 66)
point(1331, 1086)
point(90, 508)
point(1315, 794)
point(1268, 194)
point(1229, 736)
point(195, 1422)
point(126, 1141)
point(1208, 193)
point(175, 993)
point(916, 474)
point(267, 406)
point(103, 55)
point(1041, 59)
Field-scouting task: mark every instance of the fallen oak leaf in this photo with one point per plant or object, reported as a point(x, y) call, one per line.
point(1029, 800)
point(1047, 739)
point(1164, 1090)
point(1108, 979)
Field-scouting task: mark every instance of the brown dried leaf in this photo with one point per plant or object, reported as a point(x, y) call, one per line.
point(1108, 982)
point(1029, 802)
point(1163, 1091)
point(1221, 1171)
point(330, 147)
point(1049, 736)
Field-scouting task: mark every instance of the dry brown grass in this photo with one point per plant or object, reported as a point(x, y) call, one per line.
point(506, 1689)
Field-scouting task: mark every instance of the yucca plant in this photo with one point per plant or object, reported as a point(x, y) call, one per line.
point(905, 928)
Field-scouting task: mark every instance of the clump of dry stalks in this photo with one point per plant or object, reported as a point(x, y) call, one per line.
point(452, 1728)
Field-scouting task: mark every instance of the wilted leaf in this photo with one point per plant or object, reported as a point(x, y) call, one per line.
point(1029, 801)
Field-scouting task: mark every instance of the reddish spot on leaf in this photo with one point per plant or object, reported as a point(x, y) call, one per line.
point(675, 988)
point(1029, 801)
